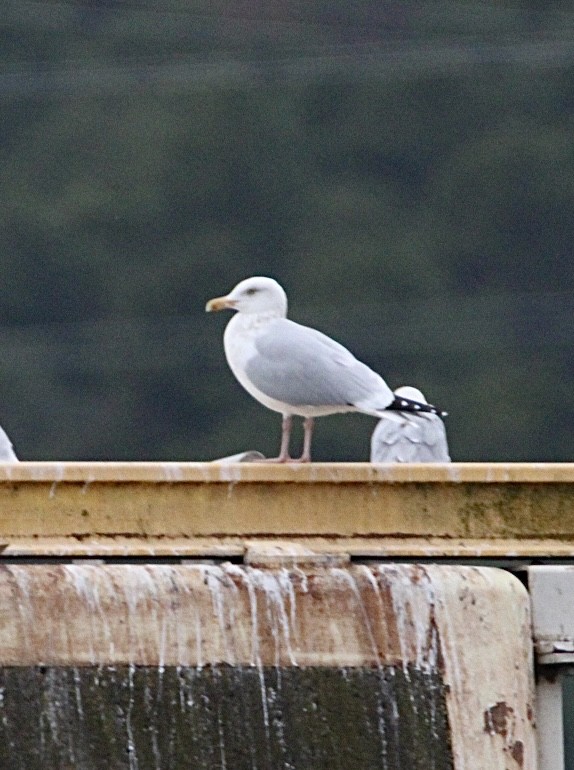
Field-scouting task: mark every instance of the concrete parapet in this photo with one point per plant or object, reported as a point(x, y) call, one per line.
point(211, 509)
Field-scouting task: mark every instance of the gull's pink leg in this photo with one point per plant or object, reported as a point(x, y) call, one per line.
point(307, 436)
point(283, 456)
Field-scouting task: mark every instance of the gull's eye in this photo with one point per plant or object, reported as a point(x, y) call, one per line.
point(251, 292)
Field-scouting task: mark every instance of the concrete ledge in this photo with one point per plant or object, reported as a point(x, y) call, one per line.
point(361, 509)
point(350, 473)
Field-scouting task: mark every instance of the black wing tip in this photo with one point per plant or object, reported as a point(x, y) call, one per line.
point(408, 405)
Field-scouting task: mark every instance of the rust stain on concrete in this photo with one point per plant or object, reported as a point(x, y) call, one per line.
point(496, 719)
point(517, 753)
point(501, 719)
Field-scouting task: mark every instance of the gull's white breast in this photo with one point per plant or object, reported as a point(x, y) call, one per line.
point(239, 344)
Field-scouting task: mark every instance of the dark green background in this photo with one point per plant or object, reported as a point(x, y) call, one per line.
point(406, 170)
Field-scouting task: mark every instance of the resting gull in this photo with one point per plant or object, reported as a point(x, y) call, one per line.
point(404, 437)
point(296, 370)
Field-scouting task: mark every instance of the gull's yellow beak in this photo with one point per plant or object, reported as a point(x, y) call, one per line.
point(219, 303)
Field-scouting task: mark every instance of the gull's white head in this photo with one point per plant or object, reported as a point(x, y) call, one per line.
point(253, 295)
point(406, 391)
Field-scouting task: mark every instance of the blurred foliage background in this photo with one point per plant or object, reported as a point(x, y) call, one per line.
point(404, 169)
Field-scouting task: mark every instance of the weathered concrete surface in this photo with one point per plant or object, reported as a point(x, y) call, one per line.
point(217, 508)
point(213, 718)
point(399, 645)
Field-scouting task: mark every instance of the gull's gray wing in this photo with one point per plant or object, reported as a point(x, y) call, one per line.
point(300, 366)
point(410, 438)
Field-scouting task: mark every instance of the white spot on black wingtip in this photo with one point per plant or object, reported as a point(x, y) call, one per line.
point(406, 405)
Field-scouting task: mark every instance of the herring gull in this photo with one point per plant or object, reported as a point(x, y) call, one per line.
point(296, 370)
point(404, 437)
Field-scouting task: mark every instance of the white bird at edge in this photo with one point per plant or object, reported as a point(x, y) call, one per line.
point(296, 370)
point(7, 454)
point(405, 437)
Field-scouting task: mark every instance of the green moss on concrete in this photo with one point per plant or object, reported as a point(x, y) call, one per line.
point(224, 717)
point(517, 510)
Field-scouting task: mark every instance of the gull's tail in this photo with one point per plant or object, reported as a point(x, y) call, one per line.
point(401, 404)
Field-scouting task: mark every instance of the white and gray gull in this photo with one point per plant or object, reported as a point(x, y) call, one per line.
point(296, 370)
point(405, 437)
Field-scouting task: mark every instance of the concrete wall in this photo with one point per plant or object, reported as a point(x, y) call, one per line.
point(227, 666)
point(310, 651)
